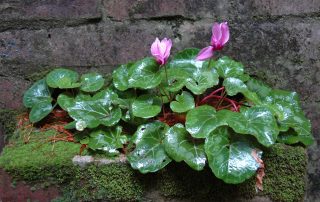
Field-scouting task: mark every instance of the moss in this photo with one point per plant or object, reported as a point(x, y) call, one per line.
point(285, 173)
point(8, 118)
point(39, 160)
point(39, 75)
point(114, 182)
point(51, 164)
point(179, 181)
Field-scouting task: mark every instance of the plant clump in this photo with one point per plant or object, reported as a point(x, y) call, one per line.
point(188, 107)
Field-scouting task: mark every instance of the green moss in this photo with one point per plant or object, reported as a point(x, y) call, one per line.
point(179, 181)
point(114, 182)
point(39, 75)
point(285, 173)
point(8, 118)
point(39, 160)
point(49, 163)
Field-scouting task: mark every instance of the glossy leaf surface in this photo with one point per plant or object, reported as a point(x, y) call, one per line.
point(94, 110)
point(180, 147)
point(201, 121)
point(142, 74)
point(146, 106)
point(91, 82)
point(108, 140)
point(230, 160)
point(63, 78)
point(149, 154)
point(183, 103)
point(38, 98)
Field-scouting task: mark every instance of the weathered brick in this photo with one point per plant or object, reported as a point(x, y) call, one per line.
point(166, 9)
point(11, 91)
point(34, 13)
point(90, 45)
point(286, 7)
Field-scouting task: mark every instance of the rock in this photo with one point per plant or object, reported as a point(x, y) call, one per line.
point(37, 14)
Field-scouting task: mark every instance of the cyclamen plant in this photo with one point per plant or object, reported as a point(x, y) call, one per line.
point(190, 108)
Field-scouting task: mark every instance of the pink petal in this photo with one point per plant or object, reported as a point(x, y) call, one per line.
point(225, 33)
point(168, 48)
point(216, 33)
point(154, 47)
point(205, 53)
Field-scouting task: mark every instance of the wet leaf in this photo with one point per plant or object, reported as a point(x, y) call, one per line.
point(180, 147)
point(230, 160)
point(149, 154)
point(63, 78)
point(183, 103)
point(91, 82)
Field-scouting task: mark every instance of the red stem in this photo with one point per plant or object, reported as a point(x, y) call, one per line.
point(211, 94)
point(232, 102)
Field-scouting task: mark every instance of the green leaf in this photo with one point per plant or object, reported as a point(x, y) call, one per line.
point(91, 82)
point(108, 140)
point(289, 114)
point(231, 161)
point(39, 111)
point(258, 87)
point(258, 121)
point(63, 78)
point(94, 110)
point(65, 100)
point(146, 106)
point(183, 103)
point(234, 86)
point(121, 77)
point(141, 74)
point(180, 147)
point(38, 98)
point(201, 121)
point(201, 80)
point(198, 76)
point(174, 80)
point(227, 67)
point(37, 93)
point(149, 154)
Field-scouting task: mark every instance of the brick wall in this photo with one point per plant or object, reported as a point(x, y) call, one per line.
point(279, 41)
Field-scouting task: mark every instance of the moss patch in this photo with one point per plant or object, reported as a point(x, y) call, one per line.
point(39, 160)
point(49, 163)
point(285, 173)
point(8, 118)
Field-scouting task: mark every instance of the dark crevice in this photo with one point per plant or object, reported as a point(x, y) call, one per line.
point(45, 24)
point(269, 18)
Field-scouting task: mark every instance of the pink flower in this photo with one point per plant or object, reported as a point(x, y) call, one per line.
point(220, 36)
point(161, 50)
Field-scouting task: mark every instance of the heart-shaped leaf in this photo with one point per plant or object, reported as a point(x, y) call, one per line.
point(234, 86)
point(146, 106)
point(108, 140)
point(227, 67)
point(91, 82)
point(94, 110)
point(257, 121)
point(201, 80)
point(38, 98)
point(231, 161)
point(63, 78)
point(200, 76)
point(37, 93)
point(173, 79)
point(142, 74)
point(149, 154)
point(183, 103)
point(39, 111)
point(180, 147)
point(201, 121)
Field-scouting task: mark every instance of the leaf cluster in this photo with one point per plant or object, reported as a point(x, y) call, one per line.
point(200, 112)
